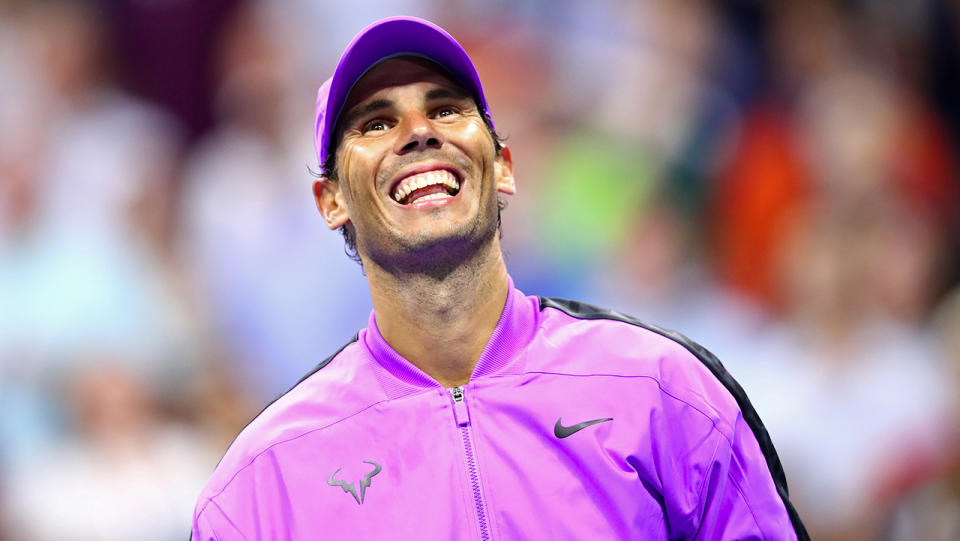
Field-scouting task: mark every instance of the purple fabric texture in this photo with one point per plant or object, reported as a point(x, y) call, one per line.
point(370, 447)
point(387, 38)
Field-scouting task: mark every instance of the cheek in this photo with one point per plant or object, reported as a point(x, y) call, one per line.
point(347, 160)
point(475, 139)
point(356, 166)
point(476, 130)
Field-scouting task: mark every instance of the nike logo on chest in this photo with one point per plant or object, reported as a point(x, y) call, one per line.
point(561, 431)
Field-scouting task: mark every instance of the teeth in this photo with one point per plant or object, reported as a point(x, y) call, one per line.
point(431, 197)
point(423, 180)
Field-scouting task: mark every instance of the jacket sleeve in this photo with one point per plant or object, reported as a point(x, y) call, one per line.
point(738, 497)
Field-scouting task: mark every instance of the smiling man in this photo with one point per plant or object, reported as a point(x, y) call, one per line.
point(467, 410)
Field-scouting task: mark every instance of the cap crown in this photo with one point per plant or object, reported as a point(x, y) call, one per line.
point(382, 40)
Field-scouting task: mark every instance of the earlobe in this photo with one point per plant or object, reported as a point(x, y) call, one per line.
point(330, 202)
point(504, 172)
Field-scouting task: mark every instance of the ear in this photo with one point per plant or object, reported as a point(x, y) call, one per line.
point(503, 170)
point(330, 202)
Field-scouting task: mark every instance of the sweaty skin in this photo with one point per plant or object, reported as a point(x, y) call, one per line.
point(436, 272)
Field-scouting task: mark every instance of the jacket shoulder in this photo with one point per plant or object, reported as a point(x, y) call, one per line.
point(590, 340)
point(617, 330)
point(581, 340)
point(319, 399)
point(602, 330)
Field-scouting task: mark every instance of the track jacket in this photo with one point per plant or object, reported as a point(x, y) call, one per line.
point(577, 423)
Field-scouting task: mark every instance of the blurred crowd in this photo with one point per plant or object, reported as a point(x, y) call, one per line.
point(777, 180)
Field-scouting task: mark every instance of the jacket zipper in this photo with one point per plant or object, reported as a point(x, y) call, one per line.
point(462, 416)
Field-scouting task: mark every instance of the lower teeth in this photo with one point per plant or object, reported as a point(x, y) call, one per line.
point(430, 197)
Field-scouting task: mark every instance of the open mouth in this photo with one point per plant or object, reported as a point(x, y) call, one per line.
point(426, 186)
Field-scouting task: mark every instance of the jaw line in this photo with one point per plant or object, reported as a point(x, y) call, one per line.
point(438, 257)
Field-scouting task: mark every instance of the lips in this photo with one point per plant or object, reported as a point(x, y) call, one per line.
point(426, 186)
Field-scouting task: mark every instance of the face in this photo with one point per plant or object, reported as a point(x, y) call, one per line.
point(418, 173)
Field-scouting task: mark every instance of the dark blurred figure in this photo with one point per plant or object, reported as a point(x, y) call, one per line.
point(839, 114)
point(167, 51)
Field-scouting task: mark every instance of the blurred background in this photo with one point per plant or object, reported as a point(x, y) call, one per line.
point(777, 180)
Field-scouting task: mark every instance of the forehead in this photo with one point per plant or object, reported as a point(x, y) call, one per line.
point(397, 72)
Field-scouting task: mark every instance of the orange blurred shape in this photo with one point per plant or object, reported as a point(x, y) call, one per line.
point(765, 185)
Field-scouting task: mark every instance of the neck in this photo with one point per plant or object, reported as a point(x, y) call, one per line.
point(441, 325)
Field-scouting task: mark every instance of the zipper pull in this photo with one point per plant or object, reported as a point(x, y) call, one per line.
point(460, 413)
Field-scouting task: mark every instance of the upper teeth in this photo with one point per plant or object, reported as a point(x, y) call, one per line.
point(422, 180)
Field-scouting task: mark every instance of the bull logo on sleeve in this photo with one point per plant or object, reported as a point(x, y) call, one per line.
point(349, 487)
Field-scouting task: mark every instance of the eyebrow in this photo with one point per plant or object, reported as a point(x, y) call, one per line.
point(373, 106)
point(445, 93)
point(381, 104)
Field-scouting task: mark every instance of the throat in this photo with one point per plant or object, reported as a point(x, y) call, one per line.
point(443, 326)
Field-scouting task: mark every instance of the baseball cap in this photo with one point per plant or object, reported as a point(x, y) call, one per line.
point(382, 40)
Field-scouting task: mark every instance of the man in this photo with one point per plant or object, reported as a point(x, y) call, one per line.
point(466, 410)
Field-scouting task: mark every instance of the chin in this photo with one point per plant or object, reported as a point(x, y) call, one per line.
point(437, 254)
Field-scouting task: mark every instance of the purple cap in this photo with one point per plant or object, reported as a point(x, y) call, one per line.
point(387, 38)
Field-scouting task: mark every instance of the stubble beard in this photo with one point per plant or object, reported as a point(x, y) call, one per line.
point(410, 256)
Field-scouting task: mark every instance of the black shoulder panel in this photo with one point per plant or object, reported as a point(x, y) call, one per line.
point(323, 363)
point(315, 369)
point(581, 310)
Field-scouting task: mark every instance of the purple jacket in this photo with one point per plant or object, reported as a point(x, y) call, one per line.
point(578, 423)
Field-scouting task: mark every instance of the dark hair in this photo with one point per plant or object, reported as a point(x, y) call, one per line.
point(328, 169)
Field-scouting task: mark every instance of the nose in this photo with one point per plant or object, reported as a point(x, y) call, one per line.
point(418, 133)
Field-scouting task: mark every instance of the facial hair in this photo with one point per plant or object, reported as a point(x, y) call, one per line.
point(420, 255)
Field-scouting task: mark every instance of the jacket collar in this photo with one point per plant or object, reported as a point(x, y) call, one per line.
point(513, 332)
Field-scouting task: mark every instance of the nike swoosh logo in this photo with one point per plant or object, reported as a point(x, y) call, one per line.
point(561, 431)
